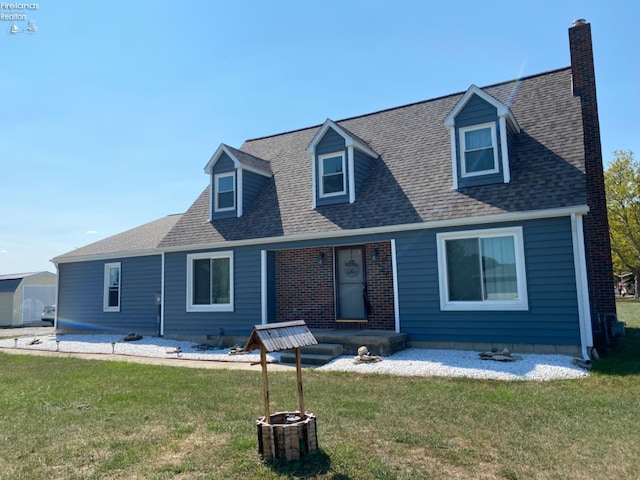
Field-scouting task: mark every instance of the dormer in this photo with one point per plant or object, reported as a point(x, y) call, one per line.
point(340, 163)
point(236, 179)
point(481, 130)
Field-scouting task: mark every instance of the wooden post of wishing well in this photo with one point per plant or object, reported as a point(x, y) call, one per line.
point(265, 381)
point(299, 380)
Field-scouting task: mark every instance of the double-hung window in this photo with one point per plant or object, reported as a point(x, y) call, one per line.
point(210, 282)
point(332, 174)
point(225, 191)
point(478, 145)
point(482, 270)
point(112, 285)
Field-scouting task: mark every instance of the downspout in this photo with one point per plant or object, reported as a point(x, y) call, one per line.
point(263, 286)
point(162, 297)
point(55, 319)
point(394, 269)
point(582, 288)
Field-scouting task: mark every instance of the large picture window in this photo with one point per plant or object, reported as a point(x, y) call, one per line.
point(111, 298)
point(210, 282)
point(332, 178)
point(479, 150)
point(482, 270)
point(225, 192)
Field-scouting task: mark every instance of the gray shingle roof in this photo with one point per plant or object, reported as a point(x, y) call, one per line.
point(139, 239)
point(249, 160)
point(412, 180)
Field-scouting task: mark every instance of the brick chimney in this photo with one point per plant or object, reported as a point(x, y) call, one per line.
point(596, 223)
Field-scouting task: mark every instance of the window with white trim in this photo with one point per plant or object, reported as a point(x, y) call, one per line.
point(332, 174)
point(112, 286)
point(225, 192)
point(482, 270)
point(479, 150)
point(210, 282)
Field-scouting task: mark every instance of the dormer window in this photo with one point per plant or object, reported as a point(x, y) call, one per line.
point(332, 169)
point(225, 192)
point(237, 178)
point(482, 131)
point(479, 151)
point(340, 163)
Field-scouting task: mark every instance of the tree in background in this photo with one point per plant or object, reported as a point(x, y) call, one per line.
point(622, 183)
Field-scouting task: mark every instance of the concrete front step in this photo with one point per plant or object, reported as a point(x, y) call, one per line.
point(378, 342)
point(334, 349)
point(316, 355)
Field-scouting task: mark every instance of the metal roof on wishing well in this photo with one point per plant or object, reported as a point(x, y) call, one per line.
point(281, 336)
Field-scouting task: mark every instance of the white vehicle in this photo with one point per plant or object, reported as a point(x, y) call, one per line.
point(49, 314)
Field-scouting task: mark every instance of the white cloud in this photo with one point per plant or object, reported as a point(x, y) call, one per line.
point(91, 232)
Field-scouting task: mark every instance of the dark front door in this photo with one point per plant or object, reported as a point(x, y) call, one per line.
point(350, 280)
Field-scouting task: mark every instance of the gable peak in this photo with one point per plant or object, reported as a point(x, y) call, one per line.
point(502, 109)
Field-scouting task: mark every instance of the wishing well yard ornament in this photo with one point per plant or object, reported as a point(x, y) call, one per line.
point(284, 435)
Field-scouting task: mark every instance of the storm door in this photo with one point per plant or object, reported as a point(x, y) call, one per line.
point(350, 284)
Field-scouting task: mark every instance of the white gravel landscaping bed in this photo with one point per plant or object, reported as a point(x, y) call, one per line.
point(409, 362)
point(464, 363)
point(145, 347)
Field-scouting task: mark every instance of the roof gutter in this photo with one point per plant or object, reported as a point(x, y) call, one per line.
point(388, 229)
point(105, 256)
point(407, 227)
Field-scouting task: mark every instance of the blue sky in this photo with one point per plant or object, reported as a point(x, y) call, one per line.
point(112, 109)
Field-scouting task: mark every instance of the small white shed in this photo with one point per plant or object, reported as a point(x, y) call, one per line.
point(24, 295)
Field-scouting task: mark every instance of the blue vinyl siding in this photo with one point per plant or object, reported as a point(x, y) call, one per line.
point(476, 112)
point(223, 165)
point(247, 297)
point(511, 139)
point(331, 142)
point(271, 287)
point(252, 183)
point(362, 165)
point(81, 289)
point(552, 317)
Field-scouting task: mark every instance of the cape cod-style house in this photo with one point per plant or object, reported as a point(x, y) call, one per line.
point(463, 221)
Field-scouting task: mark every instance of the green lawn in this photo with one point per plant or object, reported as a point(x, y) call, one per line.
point(64, 418)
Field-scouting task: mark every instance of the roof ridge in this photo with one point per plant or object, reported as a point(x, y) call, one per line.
point(548, 72)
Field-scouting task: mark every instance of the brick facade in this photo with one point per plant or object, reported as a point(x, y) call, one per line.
point(305, 287)
point(596, 223)
point(380, 286)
